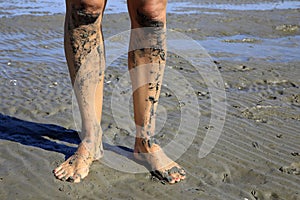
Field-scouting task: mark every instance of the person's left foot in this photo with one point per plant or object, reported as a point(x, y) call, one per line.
point(162, 166)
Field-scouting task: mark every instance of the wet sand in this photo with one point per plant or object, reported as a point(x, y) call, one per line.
point(256, 157)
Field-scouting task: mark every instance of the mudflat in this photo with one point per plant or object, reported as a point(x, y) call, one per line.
point(257, 155)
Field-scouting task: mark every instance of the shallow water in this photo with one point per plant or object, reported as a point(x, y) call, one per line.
point(46, 7)
point(244, 47)
point(237, 5)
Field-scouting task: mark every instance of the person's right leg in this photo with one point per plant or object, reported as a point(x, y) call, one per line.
point(84, 51)
point(146, 62)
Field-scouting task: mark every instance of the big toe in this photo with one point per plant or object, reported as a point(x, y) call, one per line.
point(177, 174)
point(77, 178)
point(79, 175)
point(171, 176)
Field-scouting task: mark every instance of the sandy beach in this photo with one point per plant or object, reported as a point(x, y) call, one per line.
point(256, 157)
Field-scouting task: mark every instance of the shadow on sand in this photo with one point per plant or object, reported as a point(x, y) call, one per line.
point(46, 136)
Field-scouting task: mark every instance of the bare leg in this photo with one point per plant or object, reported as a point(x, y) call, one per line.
point(85, 57)
point(146, 62)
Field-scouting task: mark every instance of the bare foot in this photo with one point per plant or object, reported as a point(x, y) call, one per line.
point(76, 168)
point(162, 166)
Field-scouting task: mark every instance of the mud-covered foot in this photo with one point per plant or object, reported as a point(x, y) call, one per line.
point(76, 168)
point(162, 166)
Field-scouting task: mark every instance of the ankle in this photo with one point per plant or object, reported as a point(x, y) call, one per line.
point(145, 144)
point(92, 136)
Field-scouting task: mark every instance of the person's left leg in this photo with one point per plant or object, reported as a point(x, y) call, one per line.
point(146, 62)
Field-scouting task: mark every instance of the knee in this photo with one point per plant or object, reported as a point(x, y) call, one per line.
point(152, 15)
point(91, 6)
point(83, 12)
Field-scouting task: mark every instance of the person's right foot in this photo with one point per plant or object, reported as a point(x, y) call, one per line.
point(162, 166)
point(76, 168)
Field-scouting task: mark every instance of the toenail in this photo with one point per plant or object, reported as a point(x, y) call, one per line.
point(173, 170)
point(182, 172)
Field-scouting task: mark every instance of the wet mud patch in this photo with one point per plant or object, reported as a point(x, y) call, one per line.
point(268, 89)
point(294, 169)
point(265, 114)
point(294, 99)
point(287, 28)
point(243, 40)
point(258, 194)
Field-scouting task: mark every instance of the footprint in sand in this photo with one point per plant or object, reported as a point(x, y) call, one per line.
point(260, 195)
point(294, 168)
point(294, 99)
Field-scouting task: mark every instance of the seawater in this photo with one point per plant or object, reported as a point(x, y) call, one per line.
point(47, 7)
point(284, 49)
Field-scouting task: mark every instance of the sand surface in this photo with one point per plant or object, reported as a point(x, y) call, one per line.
point(256, 157)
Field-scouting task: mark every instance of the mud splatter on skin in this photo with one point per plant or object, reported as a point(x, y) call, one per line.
point(83, 40)
point(148, 55)
point(152, 36)
point(145, 21)
point(152, 100)
point(166, 176)
point(149, 48)
point(149, 141)
point(154, 29)
point(82, 85)
point(84, 35)
point(155, 87)
point(159, 52)
point(84, 31)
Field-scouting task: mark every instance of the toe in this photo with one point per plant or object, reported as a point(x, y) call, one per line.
point(75, 179)
point(57, 169)
point(59, 172)
point(63, 173)
point(177, 174)
point(182, 173)
point(63, 176)
point(175, 178)
point(60, 175)
point(172, 182)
